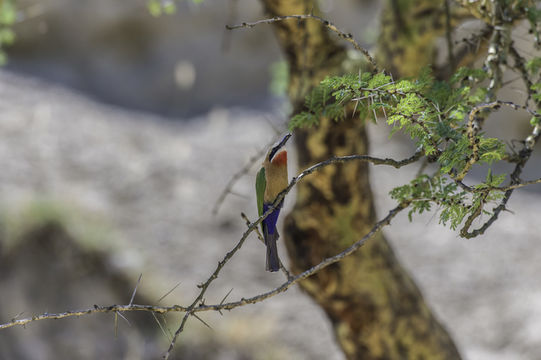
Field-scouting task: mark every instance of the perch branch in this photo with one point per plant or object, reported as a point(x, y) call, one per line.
point(94, 310)
point(341, 34)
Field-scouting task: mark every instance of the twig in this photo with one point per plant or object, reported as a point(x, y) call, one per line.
point(94, 310)
point(341, 34)
point(516, 186)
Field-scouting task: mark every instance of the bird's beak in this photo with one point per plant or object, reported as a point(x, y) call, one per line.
point(279, 146)
point(284, 140)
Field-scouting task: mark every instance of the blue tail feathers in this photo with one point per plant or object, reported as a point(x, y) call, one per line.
point(271, 237)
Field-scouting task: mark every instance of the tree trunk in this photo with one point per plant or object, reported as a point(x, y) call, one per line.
point(376, 309)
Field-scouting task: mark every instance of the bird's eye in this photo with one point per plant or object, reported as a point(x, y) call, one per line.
point(273, 152)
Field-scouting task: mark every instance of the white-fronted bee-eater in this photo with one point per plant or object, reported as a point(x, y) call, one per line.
point(271, 180)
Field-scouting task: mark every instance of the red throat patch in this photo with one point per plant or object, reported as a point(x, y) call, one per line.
point(280, 158)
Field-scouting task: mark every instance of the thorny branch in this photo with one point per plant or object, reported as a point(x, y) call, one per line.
point(341, 34)
point(191, 310)
point(94, 310)
point(198, 304)
point(244, 301)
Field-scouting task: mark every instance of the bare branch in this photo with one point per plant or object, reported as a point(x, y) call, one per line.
point(517, 186)
point(94, 310)
point(341, 34)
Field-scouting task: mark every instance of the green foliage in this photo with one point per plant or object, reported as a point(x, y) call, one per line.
point(437, 116)
point(534, 65)
point(533, 15)
point(537, 92)
point(8, 15)
point(424, 190)
point(491, 149)
point(161, 7)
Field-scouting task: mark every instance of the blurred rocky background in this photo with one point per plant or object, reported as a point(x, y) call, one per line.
point(118, 132)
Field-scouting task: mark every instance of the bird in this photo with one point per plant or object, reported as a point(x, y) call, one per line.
point(271, 180)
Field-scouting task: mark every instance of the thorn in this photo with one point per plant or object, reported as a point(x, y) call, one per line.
point(169, 292)
point(13, 319)
point(161, 327)
point(204, 323)
point(225, 297)
point(509, 211)
point(123, 317)
point(116, 323)
point(135, 290)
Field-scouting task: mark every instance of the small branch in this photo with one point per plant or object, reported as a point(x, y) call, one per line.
point(376, 161)
point(94, 310)
point(341, 34)
point(517, 186)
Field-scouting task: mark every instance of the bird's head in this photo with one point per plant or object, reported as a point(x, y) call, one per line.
point(277, 157)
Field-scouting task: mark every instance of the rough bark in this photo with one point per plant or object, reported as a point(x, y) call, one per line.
point(376, 309)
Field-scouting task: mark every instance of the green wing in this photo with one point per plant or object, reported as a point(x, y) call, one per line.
point(260, 185)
